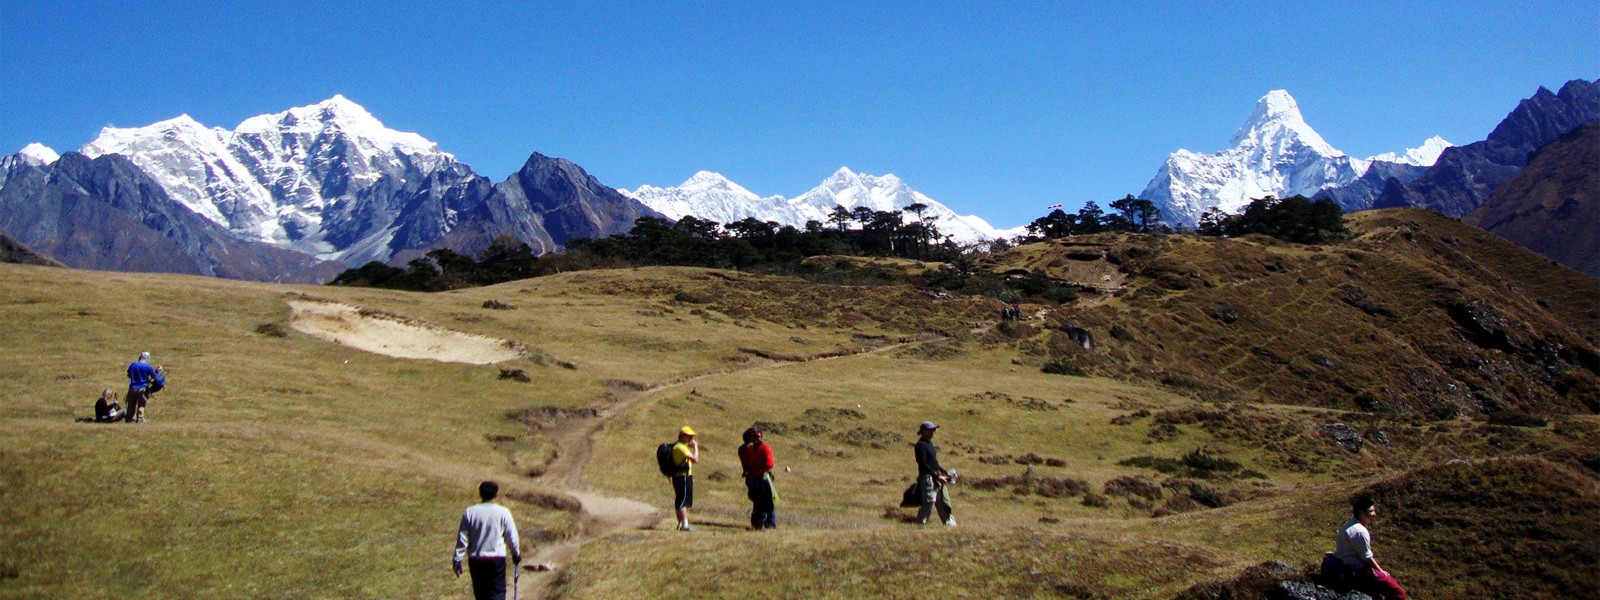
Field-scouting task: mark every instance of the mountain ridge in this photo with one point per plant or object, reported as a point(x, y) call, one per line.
point(1274, 153)
point(709, 195)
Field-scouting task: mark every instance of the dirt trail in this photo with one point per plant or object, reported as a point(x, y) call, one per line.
point(600, 515)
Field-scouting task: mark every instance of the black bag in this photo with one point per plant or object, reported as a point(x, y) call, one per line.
point(911, 498)
point(664, 460)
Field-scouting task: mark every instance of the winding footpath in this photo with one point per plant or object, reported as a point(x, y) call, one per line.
point(600, 515)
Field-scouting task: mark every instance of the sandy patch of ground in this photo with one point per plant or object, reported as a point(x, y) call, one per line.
point(391, 335)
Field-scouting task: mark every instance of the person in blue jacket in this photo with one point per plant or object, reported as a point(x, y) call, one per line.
point(140, 377)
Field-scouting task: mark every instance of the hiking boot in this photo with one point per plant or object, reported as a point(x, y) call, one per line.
point(685, 528)
point(950, 523)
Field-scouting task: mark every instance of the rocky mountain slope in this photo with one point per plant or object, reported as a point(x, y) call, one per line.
point(1465, 176)
point(1553, 206)
point(327, 179)
point(12, 251)
point(330, 180)
point(1274, 153)
point(107, 214)
point(545, 203)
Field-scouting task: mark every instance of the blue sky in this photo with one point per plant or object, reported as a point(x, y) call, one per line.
point(994, 108)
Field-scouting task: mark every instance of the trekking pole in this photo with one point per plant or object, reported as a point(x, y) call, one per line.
point(516, 580)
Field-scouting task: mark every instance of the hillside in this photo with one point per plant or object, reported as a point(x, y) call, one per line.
point(1417, 315)
point(299, 464)
point(1552, 206)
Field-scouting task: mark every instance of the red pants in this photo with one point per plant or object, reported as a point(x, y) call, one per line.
point(1383, 586)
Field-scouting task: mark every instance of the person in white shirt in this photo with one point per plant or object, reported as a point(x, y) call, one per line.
point(487, 532)
point(1352, 560)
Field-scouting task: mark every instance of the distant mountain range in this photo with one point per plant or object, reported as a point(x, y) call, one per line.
point(709, 195)
point(326, 181)
point(1274, 153)
point(281, 195)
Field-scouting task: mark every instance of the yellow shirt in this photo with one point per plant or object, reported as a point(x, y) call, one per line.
point(680, 457)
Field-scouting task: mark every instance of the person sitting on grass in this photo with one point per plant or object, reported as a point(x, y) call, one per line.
point(106, 409)
point(1352, 561)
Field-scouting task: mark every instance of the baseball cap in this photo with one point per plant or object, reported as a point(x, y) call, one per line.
point(686, 431)
point(926, 425)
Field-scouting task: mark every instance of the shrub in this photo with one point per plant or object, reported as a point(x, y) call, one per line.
point(272, 330)
point(1095, 500)
point(1132, 486)
point(1061, 367)
point(1206, 496)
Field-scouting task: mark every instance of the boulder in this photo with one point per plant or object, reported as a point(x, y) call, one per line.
point(1305, 590)
point(1343, 435)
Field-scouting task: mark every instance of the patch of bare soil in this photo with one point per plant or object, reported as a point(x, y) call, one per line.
point(391, 335)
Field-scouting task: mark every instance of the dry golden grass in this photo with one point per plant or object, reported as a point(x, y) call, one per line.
point(281, 465)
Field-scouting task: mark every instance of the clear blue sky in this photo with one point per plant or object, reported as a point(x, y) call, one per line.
point(993, 108)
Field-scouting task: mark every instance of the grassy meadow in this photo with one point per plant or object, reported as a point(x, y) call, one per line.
point(278, 464)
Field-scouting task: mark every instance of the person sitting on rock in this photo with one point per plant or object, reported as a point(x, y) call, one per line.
point(1352, 561)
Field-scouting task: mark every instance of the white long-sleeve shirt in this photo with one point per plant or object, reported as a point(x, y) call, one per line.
point(485, 531)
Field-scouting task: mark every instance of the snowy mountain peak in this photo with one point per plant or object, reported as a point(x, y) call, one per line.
point(1275, 153)
point(1421, 156)
point(338, 114)
point(708, 180)
point(40, 152)
point(1275, 121)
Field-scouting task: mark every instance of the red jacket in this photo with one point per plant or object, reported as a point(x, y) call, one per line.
point(756, 458)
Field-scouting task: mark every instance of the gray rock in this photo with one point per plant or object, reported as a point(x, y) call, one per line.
point(1305, 590)
point(1343, 435)
point(1081, 337)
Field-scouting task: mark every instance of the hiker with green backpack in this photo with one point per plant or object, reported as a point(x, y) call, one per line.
point(676, 461)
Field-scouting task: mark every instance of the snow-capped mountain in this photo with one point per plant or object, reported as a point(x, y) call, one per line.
point(327, 179)
point(1421, 156)
point(40, 152)
point(1275, 153)
point(711, 196)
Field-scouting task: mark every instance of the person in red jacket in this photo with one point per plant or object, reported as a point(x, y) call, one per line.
point(756, 456)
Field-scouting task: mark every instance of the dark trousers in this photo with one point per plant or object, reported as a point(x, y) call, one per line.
point(763, 513)
point(136, 401)
point(488, 578)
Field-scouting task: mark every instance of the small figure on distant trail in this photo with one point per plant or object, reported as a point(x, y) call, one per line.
point(1351, 563)
point(106, 409)
point(684, 454)
point(756, 457)
point(486, 533)
point(931, 477)
point(140, 377)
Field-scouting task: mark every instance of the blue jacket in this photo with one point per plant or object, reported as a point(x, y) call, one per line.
point(140, 375)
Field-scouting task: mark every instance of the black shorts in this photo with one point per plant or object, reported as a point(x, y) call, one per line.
point(683, 491)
